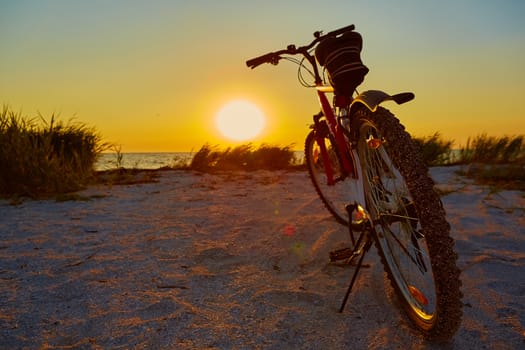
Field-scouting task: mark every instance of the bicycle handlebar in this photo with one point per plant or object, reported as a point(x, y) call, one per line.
point(274, 57)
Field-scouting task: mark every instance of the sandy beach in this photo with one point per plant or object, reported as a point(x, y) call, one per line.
point(238, 261)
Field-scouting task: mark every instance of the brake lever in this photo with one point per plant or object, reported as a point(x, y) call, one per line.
point(275, 60)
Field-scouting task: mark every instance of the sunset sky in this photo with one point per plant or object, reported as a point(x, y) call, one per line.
point(152, 75)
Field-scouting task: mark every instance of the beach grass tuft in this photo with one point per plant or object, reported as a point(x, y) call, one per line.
point(244, 157)
point(435, 150)
point(41, 157)
point(494, 150)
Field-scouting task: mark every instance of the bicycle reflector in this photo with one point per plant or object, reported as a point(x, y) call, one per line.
point(418, 295)
point(374, 143)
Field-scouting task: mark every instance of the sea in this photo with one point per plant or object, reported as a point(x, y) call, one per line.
point(108, 161)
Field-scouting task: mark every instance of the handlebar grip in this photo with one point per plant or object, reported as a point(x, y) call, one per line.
point(257, 61)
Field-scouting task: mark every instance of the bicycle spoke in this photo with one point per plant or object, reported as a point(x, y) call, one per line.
point(418, 259)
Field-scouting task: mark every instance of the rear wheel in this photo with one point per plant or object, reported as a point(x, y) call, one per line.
point(412, 234)
point(334, 196)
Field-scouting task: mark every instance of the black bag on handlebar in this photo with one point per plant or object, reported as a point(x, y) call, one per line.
point(341, 58)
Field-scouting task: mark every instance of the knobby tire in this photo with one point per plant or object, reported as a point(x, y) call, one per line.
point(426, 206)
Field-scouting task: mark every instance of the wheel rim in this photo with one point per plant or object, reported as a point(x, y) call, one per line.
point(399, 233)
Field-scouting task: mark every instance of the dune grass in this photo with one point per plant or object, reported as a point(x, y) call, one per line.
point(244, 157)
point(494, 150)
point(435, 150)
point(481, 149)
point(40, 157)
point(498, 162)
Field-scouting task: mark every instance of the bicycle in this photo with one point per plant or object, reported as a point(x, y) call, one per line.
point(371, 178)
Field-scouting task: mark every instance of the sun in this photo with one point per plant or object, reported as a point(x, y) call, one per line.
point(240, 120)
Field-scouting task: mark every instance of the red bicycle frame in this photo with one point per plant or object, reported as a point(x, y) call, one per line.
point(345, 153)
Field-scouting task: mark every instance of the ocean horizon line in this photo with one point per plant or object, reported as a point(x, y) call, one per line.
point(150, 160)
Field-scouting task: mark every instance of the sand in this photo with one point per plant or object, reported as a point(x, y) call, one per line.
point(238, 261)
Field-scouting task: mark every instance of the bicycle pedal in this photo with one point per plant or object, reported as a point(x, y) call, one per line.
point(341, 254)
